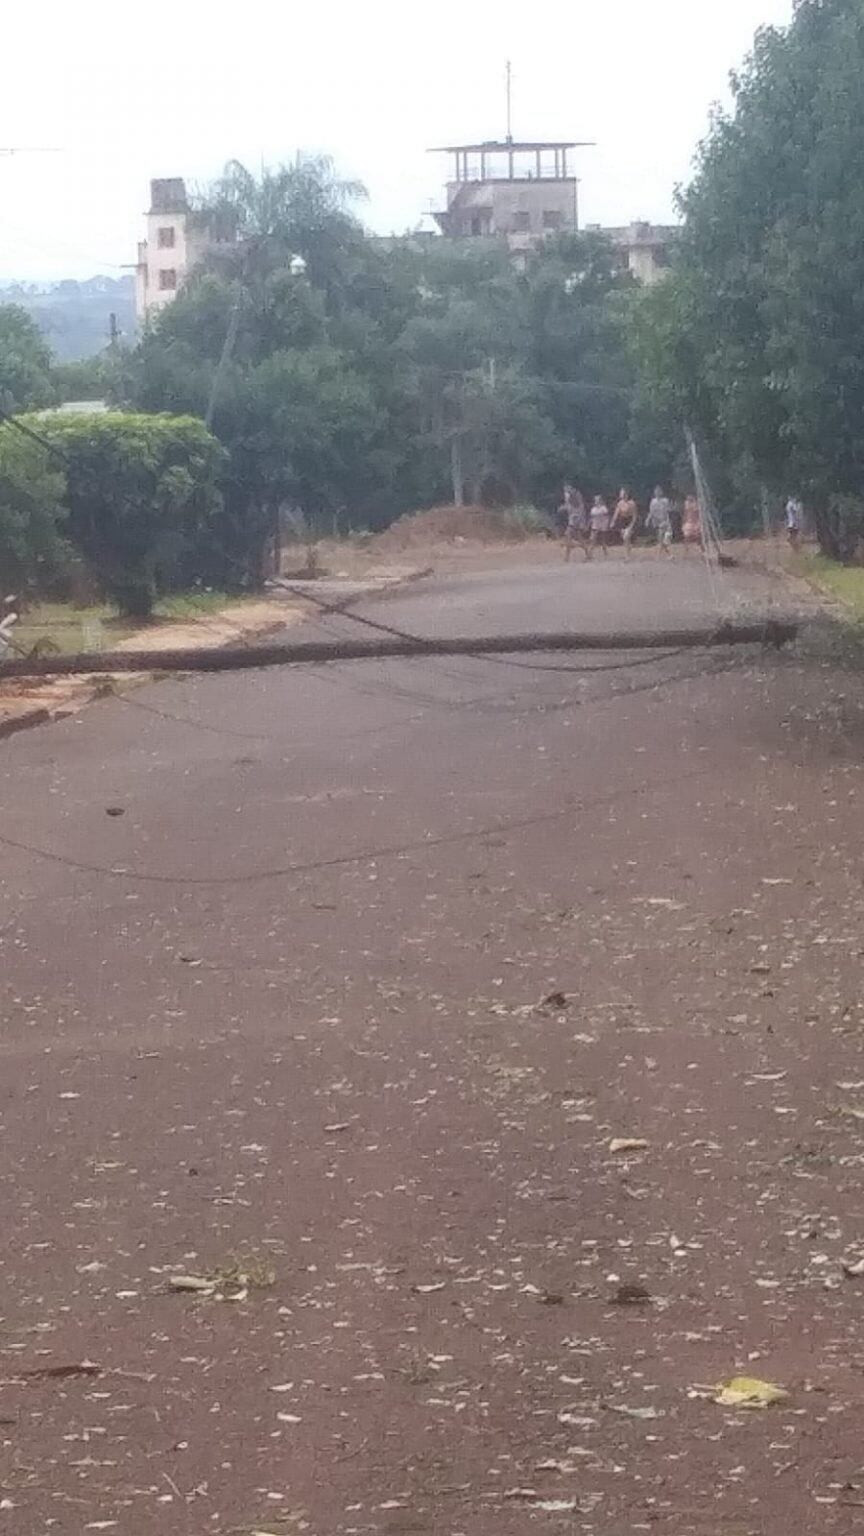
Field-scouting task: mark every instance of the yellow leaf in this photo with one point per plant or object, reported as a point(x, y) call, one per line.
point(749, 1392)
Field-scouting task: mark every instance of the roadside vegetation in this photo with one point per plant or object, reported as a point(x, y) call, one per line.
point(757, 339)
point(48, 626)
point(843, 582)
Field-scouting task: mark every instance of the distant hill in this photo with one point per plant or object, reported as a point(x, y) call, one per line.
point(74, 317)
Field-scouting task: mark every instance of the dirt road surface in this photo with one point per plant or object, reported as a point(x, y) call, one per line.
point(348, 979)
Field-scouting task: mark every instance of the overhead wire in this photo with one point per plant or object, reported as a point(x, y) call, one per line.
point(345, 860)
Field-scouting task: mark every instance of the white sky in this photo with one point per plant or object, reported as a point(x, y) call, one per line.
point(129, 92)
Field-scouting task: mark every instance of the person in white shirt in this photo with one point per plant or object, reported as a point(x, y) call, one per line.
point(600, 522)
point(794, 521)
point(659, 520)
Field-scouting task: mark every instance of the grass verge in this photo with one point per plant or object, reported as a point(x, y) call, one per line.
point(67, 628)
point(844, 582)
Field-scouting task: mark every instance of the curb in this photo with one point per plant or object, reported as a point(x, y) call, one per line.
point(40, 715)
point(24, 722)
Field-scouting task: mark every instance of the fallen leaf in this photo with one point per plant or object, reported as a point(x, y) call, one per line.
point(636, 1413)
point(197, 1283)
point(627, 1144)
point(749, 1392)
point(854, 1271)
point(661, 901)
point(426, 1290)
point(557, 1000)
point(115, 810)
point(341, 1125)
point(62, 1372)
point(289, 1418)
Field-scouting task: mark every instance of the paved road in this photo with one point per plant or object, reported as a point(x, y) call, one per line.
point(354, 996)
point(645, 593)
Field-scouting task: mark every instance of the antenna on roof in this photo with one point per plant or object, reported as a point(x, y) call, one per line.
point(509, 102)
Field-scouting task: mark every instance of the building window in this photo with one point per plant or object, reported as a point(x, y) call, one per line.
point(522, 220)
point(553, 218)
point(167, 237)
point(168, 279)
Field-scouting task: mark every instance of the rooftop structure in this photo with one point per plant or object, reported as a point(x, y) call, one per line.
point(521, 189)
point(644, 249)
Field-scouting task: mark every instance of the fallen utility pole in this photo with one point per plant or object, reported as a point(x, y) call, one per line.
point(238, 658)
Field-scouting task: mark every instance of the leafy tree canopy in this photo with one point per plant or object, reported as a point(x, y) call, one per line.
point(760, 336)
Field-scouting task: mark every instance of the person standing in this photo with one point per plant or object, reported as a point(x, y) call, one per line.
point(600, 521)
point(794, 522)
point(624, 518)
point(563, 514)
point(576, 530)
point(691, 523)
point(660, 520)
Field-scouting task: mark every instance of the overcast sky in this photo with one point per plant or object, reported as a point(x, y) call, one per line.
point(129, 92)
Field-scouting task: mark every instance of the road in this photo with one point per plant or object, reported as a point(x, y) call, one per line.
point(349, 978)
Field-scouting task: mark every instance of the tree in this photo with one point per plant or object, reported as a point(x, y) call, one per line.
point(343, 373)
point(770, 320)
point(33, 549)
point(25, 361)
point(142, 494)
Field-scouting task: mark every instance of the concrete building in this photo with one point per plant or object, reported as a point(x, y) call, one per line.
point(523, 191)
point(644, 249)
point(175, 243)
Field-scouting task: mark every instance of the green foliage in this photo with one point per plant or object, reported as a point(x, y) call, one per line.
point(356, 377)
point(762, 339)
point(33, 549)
point(845, 582)
point(143, 497)
point(89, 379)
point(25, 361)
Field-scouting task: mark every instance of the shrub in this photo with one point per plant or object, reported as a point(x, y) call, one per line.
point(143, 498)
point(33, 549)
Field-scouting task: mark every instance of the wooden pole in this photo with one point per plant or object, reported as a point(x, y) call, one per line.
point(243, 658)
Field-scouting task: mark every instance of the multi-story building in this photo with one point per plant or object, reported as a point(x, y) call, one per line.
point(644, 249)
point(176, 241)
point(522, 191)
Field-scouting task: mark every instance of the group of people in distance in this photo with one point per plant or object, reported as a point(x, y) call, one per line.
point(590, 528)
